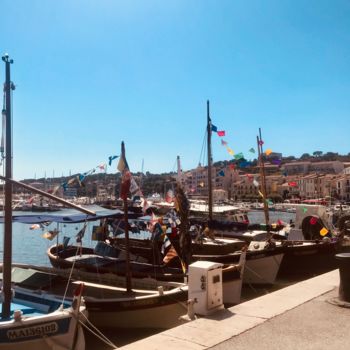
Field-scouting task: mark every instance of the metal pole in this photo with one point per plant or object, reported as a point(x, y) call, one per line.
point(7, 261)
point(263, 187)
point(210, 187)
point(48, 195)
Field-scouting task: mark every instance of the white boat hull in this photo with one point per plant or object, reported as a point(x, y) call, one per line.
point(263, 270)
point(58, 330)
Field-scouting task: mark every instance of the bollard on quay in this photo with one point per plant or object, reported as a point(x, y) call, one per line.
point(344, 272)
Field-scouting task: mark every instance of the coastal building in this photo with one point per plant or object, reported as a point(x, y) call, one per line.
point(316, 185)
point(342, 187)
point(330, 167)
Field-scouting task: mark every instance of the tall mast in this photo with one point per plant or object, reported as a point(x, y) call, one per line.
point(210, 187)
point(126, 219)
point(262, 176)
point(7, 260)
point(179, 172)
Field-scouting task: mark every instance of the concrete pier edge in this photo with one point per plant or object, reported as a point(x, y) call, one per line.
point(210, 331)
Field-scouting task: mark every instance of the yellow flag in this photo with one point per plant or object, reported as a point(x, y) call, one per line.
point(121, 164)
point(229, 150)
point(261, 194)
point(323, 232)
point(268, 151)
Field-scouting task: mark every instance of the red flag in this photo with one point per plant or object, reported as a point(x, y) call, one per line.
point(313, 221)
point(125, 186)
point(292, 184)
point(221, 133)
point(232, 166)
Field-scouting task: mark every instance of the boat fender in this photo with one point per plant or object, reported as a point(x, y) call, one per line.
point(17, 315)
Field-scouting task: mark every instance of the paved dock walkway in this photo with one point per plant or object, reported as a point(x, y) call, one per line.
point(296, 317)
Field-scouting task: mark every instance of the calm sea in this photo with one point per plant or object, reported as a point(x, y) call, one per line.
point(30, 247)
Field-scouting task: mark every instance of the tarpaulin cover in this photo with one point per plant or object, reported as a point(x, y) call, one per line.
point(64, 215)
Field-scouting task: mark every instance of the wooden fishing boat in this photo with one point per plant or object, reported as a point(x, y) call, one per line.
point(150, 304)
point(93, 261)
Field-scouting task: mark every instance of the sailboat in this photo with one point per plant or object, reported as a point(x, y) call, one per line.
point(302, 256)
point(262, 260)
point(27, 320)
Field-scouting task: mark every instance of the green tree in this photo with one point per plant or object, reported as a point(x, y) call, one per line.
point(305, 156)
point(317, 153)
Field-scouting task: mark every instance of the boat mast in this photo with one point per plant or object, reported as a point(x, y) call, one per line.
point(262, 176)
point(210, 187)
point(7, 258)
point(179, 172)
point(126, 222)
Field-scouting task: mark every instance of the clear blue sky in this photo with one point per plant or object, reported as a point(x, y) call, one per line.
point(90, 74)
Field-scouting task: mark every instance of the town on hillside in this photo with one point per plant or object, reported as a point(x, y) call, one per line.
point(287, 179)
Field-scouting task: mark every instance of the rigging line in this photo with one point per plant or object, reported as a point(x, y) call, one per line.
point(95, 331)
point(174, 166)
point(203, 146)
point(69, 278)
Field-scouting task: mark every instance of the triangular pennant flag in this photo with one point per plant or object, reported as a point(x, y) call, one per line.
point(260, 194)
point(111, 158)
point(121, 164)
point(261, 142)
point(166, 244)
point(304, 210)
point(268, 151)
point(224, 143)
point(323, 232)
point(221, 133)
point(313, 221)
point(255, 183)
point(170, 255)
point(214, 128)
point(134, 187)
point(239, 156)
point(230, 151)
point(221, 173)
point(252, 150)
point(102, 166)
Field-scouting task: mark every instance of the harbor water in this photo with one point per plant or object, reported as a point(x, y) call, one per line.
point(30, 247)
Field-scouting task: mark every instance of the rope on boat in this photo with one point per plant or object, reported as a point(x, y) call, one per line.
point(70, 277)
point(96, 332)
